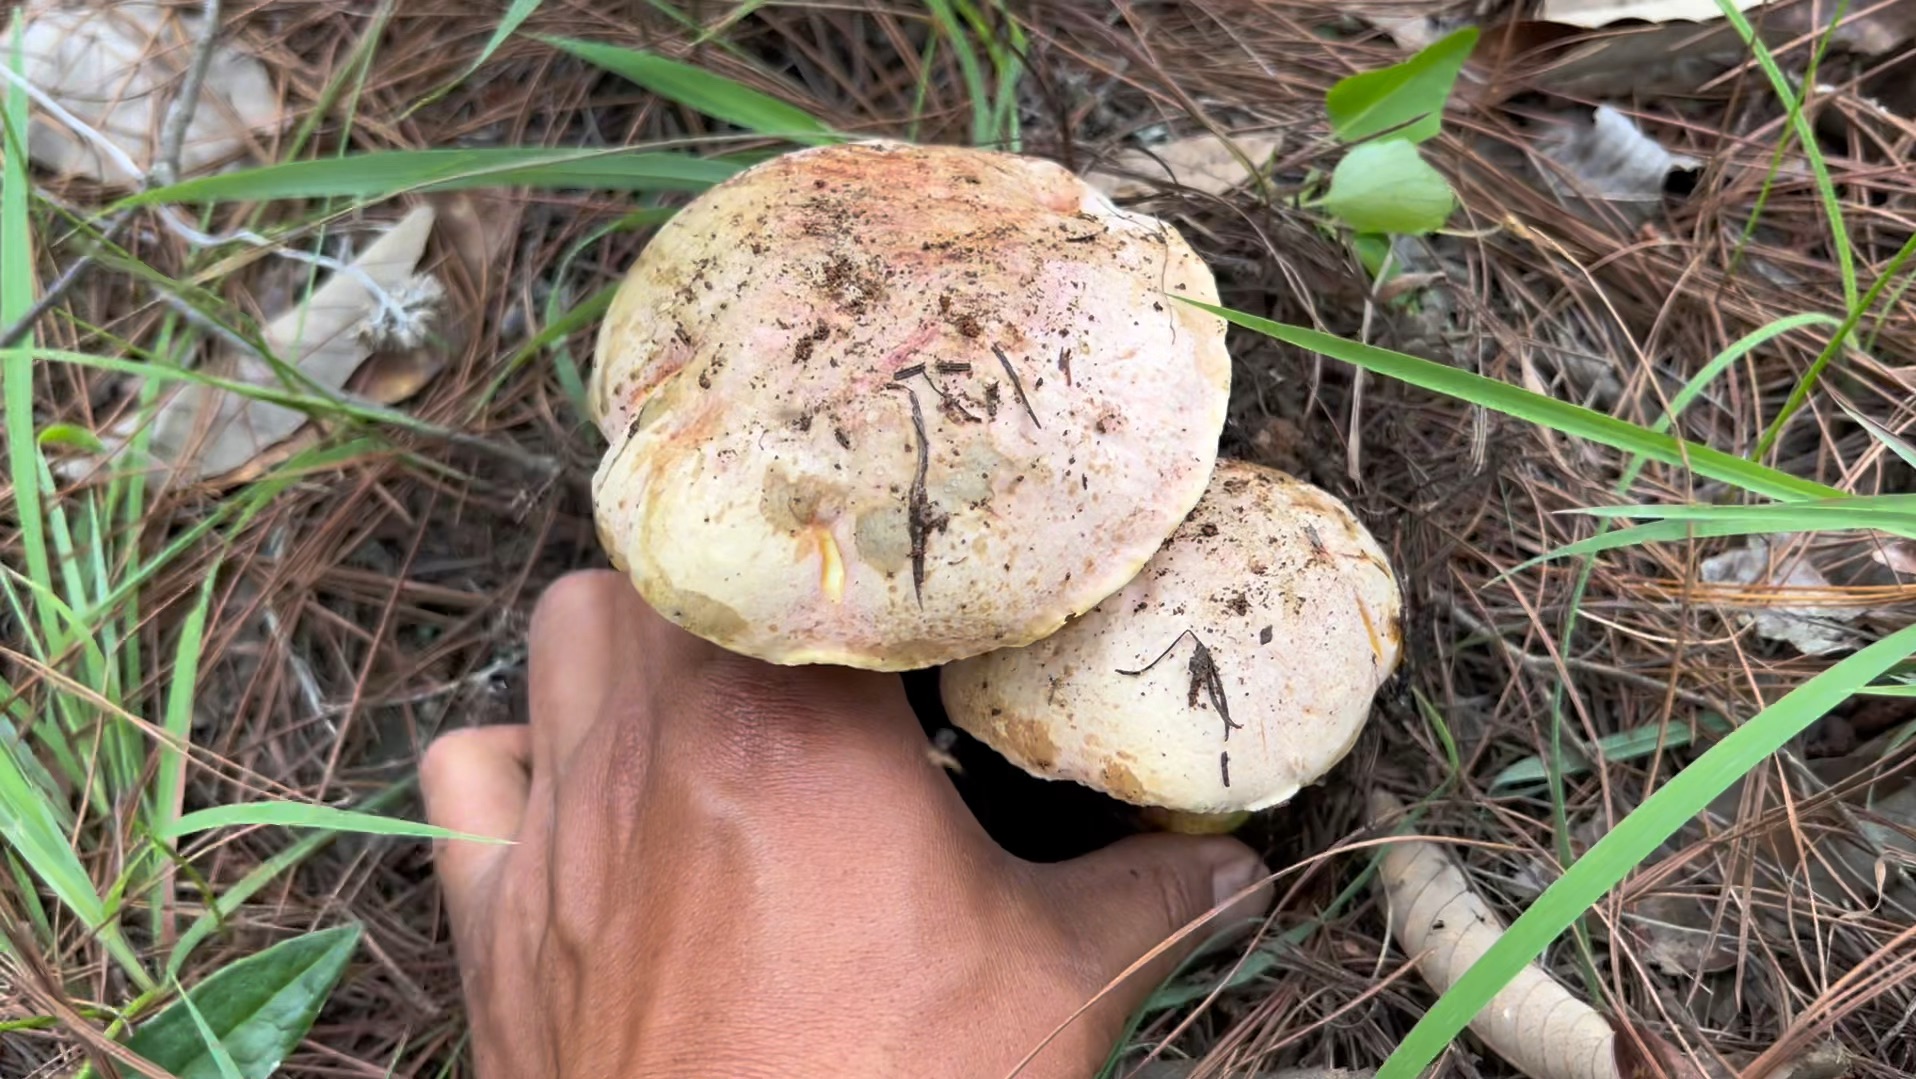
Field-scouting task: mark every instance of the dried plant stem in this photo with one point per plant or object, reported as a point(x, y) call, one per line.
point(179, 114)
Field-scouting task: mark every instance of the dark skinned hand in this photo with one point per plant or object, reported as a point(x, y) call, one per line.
point(726, 868)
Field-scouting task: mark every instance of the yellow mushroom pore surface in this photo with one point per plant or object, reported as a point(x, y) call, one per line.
point(889, 406)
point(1237, 667)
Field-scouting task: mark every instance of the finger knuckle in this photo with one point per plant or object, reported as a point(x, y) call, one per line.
point(581, 596)
point(443, 756)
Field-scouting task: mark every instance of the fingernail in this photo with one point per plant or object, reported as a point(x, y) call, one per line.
point(1233, 877)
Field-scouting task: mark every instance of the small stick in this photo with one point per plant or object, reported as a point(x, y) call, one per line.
point(1017, 386)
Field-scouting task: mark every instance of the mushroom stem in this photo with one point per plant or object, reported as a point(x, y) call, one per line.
point(1183, 822)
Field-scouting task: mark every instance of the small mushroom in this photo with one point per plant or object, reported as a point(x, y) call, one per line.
point(889, 406)
point(1237, 667)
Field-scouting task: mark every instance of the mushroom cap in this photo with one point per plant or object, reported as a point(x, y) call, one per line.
point(1258, 636)
point(888, 406)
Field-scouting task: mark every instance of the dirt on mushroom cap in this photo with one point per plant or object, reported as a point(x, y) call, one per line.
point(1239, 665)
point(889, 406)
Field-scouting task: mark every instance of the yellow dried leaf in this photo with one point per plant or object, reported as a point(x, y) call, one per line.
point(1533, 1022)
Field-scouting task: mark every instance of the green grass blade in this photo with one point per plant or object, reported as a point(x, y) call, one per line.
point(233, 896)
point(983, 129)
point(177, 721)
point(307, 815)
point(1622, 746)
point(222, 1059)
point(1800, 394)
point(1007, 60)
point(1536, 408)
point(695, 88)
point(1720, 363)
point(382, 174)
point(509, 24)
point(1633, 840)
point(16, 299)
point(1865, 510)
point(32, 831)
point(1665, 532)
point(1890, 440)
point(1806, 137)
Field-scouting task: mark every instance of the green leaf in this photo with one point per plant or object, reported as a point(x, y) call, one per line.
point(1515, 401)
point(257, 1009)
point(1621, 746)
point(386, 173)
point(1635, 837)
point(1373, 249)
point(1389, 187)
point(71, 435)
point(1406, 98)
point(714, 95)
point(307, 815)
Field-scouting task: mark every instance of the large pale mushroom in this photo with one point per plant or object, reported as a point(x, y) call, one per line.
point(1237, 667)
point(890, 406)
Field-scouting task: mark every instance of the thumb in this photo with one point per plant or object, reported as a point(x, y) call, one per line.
point(1137, 908)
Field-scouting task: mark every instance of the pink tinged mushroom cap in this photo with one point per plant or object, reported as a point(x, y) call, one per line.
point(889, 406)
point(1237, 667)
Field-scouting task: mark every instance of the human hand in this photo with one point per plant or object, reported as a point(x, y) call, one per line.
point(726, 868)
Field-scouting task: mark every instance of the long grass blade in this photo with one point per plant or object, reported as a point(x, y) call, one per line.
point(177, 721)
point(307, 815)
point(383, 174)
point(695, 88)
point(1536, 408)
point(235, 895)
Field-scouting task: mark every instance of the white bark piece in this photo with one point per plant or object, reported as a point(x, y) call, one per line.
point(888, 406)
point(115, 67)
point(1595, 13)
point(1536, 1024)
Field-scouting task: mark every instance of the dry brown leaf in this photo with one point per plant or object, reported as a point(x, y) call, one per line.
point(201, 431)
point(1680, 935)
point(1813, 630)
point(115, 68)
point(1203, 163)
point(1533, 1022)
point(479, 229)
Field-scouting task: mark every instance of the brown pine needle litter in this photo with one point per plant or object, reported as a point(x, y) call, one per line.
point(369, 605)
